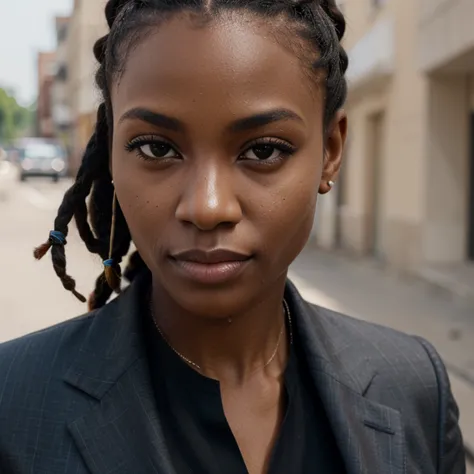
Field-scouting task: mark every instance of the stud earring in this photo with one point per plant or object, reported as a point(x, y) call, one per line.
point(331, 183)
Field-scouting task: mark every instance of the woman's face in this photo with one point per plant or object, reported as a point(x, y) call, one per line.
point(218, 156)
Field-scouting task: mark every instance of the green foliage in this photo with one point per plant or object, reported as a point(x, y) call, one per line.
point(14, 119)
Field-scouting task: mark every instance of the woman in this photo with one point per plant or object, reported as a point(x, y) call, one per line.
point(221, 122)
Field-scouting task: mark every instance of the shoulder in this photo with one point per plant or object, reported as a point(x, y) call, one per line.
point(386, 350)
point(36, 404)
point(43, 354)
point(406, 373)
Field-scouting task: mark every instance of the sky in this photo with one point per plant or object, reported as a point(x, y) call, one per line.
point(26, 27)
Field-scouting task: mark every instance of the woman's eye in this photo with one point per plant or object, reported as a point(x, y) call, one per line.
point(157, 150)
point(263, 152)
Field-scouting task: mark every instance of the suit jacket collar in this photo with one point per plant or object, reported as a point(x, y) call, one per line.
point(111, 367)
point(330, 350)
point(369, 435)
point(113, 342)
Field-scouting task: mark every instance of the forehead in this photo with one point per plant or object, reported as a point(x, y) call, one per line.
point(233, 64)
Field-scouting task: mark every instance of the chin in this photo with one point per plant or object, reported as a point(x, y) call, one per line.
point(210, 301)
point(217, 302)
point(235, 294)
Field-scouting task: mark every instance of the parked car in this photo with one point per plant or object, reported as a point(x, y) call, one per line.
point(41, 157)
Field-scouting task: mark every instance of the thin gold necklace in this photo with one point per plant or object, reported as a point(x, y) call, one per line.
point(198, 367)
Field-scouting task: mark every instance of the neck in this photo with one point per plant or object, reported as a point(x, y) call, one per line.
point(231, 348)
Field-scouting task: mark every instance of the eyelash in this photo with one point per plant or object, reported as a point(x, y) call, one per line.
point(283, 146)
point(136, 143)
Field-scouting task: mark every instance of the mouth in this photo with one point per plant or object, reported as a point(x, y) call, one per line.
point(210, 267)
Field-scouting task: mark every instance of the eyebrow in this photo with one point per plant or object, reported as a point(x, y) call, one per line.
point(154, 118)
point(240, 125)
point(264, 118)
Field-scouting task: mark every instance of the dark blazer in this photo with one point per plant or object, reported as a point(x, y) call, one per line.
point(77, 398)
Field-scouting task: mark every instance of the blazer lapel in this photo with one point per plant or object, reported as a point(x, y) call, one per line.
point(369, 435)
point(121, 432)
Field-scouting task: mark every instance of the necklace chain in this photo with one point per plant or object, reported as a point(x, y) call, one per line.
point(198, 367)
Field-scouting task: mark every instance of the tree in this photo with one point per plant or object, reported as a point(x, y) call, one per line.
point(14, 119)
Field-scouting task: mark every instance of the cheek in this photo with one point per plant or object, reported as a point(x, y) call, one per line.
point(138, 193)
point(135, 209)
point(279, 215)
point(289, 214)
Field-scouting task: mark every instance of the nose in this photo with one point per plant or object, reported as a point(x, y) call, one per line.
point(209, 200)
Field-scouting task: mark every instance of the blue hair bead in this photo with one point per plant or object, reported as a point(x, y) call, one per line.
point(57, 238)
point(108, 263)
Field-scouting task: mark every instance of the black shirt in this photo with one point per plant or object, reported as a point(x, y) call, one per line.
point(199, 438)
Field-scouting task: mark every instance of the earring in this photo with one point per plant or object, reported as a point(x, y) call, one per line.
point(331, 183)
point(112, 276)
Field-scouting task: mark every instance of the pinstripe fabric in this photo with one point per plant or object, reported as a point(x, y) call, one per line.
point(76, 398)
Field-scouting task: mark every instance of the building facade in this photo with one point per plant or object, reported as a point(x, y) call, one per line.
point(405, 194)
point(87, 24)
point(46, 73)
point(446, 57)
point(61, 110)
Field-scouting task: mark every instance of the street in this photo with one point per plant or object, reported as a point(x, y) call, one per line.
point(32, 297)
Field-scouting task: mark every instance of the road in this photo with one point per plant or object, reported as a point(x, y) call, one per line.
point(31, 296)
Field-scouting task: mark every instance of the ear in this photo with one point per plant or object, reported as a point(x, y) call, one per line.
point(333, 151)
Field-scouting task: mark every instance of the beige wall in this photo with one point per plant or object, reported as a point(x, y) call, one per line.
point(87, 25)
point(446, 33)
point(445, 229)
point(360, 42)
point(356, 213)
point(447, 53)
point(399, 184)
point(324, 229)
point(416, 180)
point(91, 25)
point(361, 19)
point(404, 170)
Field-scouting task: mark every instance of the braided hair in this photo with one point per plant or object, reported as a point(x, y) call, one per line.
point(319, 23)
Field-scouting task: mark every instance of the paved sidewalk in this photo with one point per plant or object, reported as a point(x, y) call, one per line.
point(361, 288)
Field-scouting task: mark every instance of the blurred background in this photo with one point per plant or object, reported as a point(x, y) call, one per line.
point(393, 243)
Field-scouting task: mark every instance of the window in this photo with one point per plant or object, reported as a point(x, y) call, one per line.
point(61, 73)
point(41, 150)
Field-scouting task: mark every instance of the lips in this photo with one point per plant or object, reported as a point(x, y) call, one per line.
point(211, 256)
point(210, 267)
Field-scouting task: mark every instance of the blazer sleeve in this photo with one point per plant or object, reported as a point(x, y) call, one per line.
point(451, 454)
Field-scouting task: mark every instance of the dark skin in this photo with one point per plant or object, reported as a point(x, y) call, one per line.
point(215, 181)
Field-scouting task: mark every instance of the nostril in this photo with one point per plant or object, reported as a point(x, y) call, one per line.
point(225, 215)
